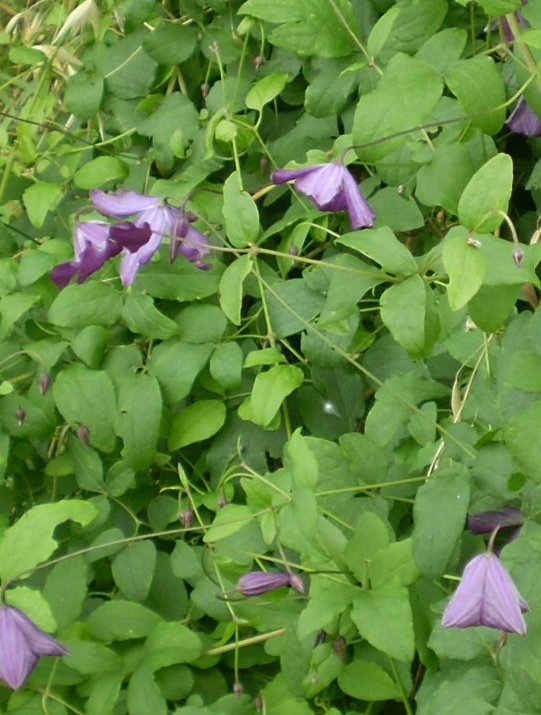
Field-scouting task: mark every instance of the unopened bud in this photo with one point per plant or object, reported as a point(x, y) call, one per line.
point(238, 690)
point(204, 89)
point(185, 517)
point(320, 638)
point(44, 383)
point(518, 255)
point(339, 647)
point(258, 61)
point(83, 435)
point(222, 501)
point(258, 703)
point(20, 416)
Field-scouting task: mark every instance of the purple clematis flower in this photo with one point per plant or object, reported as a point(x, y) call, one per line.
point(523, 121)
point(22, 644)
point(486, 521)
point(486, 596)
point(94, 243)
point(256, 583)
point(332, 188)
point(163, 220)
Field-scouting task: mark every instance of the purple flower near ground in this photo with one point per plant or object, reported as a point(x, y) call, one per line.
point(523, 121)
point(256, 583)
point(332, 188)
point(22, 644)
point(486, 596)
point(95, 242)
point(164, 220)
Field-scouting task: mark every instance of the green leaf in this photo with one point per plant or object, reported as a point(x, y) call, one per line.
point(309, 27)
point(144, 695)
point(138, 421)
point(328, 599)
point(105, 692)
point(201, 324)
point(32, 604)
point(128, 70)
point(524, 371)
point(133, 570)
point(196, 423)
point(499, 7)
point(403, 308)
point(83, 94)
point(442, 181)
point(492, 305)
point(270, 390)
point(465, 265)
point(479, 88)
point(382, 246)
point(89, 658)
point(170, 44)
point(229, 520)
point(163, 365)
point(395, 211)
point(39, 199)
point(180, 281)
point(87, 466)
point(395, 562)
point(142, 317)
point(350, 281)
point(383, 616)
point(443, 49)
point(100, 172)
point(406, 94)
point(66, 589)
point(240, 213)
point(230, 288)
point(121, 620)
point(445, 495)
point(169, 644)
point(29, 541)
point(415, 22)
point(13, 307)
point(87, 397)
point(522, 440)
point(303, 461)
point(78, 306)
point(265, 90)
point(365, 680)
point(226, 365)
point(487, 193)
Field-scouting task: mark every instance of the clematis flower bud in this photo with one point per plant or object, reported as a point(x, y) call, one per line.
point(44, 383)
point(22, 644)
point(486, 596)
point(83, 434)
point(256, 583)
point(331, 187)
point(20, 416)
point(523, 120)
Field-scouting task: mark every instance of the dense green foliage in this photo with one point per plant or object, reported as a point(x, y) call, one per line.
point(323, 401)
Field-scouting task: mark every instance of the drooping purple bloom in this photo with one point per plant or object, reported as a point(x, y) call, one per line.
point(22, 644)
point(486, 596)
point(256, 583)
point(523, 120)
point(163, 219)
point(332, 188)
point(190, 243)
point(95, 242)
point(521, 20)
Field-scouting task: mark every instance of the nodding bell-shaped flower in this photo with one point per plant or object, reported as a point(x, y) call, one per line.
point(523, 120)
point(95, 242)
point(22, 644)
point(331, 187)
point(256, 583)
point(164, 220)
point(486, 596)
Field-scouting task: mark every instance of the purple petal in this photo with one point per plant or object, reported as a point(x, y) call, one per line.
point(523, 121)
point(21, 645)
point(324, 187)
point(122, 203)
point(282, 176)
point(90, 232)
point(258, 582)
point(486, 521)
point(63, 273)
point(360, 211)
point(194, 246)
point(129, 236)
point(486, 596)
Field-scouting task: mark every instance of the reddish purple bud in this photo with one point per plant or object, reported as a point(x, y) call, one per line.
point(44, 383)
point(486, 521)
point(486, 596)
point(185, 517)
point(20, 416)
point(256, 583)
point(83, 434)
point(340, 648)
point(22, 644)
point(518, 255)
